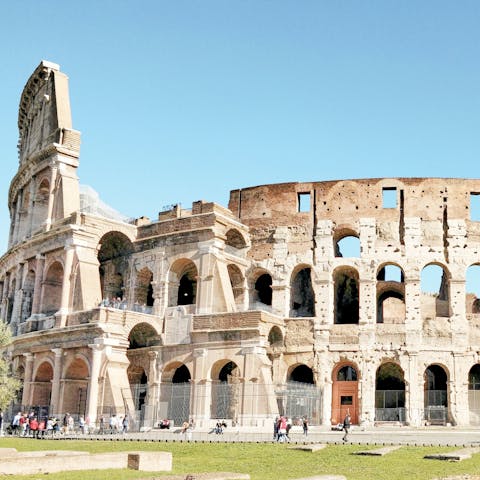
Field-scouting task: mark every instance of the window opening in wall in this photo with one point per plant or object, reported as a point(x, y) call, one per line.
point(346, 297)
point(390, 273)
point(263, 287)
point(475, 206)
point(389, 197)
point(348, 247)
point(303, 297)
point(472, 289)
point(303, 202)
point(435, 292)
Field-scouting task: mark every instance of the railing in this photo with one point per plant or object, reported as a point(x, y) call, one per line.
point(390, 414)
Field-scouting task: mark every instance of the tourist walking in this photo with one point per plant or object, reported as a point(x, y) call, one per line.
point(346, 426)
point(305, 425)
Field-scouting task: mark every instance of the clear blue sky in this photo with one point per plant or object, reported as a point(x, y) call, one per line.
point(185, 100)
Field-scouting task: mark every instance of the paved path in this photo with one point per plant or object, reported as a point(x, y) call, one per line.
point(447, 436)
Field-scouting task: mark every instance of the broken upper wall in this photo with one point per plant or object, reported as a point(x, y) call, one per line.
point(338, 201)
point(44, 112)
point(438, 203)
point(45, 188)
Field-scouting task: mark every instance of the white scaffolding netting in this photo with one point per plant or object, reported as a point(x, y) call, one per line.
point(91, 203)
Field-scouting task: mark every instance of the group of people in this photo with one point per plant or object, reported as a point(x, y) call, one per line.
point(122, 304)
point(30, 425)
point(115, 424)
point(281, 429)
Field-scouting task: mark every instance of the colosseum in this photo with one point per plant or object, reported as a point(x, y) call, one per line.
point(302, 299)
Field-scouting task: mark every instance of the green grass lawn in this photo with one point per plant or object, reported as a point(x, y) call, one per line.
point(261, 461)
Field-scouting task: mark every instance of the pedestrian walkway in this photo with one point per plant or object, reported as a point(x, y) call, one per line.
point(425, 436)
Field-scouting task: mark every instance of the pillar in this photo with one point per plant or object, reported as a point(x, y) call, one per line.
point(27, 380)
point(67, 280)
point(92, 396)
point(51, 196)
point(37, 293)
point(57, 373)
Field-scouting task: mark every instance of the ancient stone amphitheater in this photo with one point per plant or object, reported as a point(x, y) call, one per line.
point(303, 299)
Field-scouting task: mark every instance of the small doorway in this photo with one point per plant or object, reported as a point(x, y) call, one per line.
point(345, 394)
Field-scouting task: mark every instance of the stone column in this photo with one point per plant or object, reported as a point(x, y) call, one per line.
point(458, 389)
point(51, 196)
point(92, 396)
point(153, 390)
point(458, 317)
point(27, 380)
point(205, 286)
point(57, 373)
point(414, 392)
point(201, 388)
point(413, 314)
point(31, 206)
point(367, 390)
point(67, 280)
point(37, 292)
point(280, 298)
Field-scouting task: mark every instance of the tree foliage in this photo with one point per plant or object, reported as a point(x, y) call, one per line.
point(8, 384)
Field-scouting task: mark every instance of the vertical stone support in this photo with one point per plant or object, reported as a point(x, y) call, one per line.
point(205, 287)
point(27, 380)
point(202, 387)
point(159, 284)
point(413, 311)
point(324, 297)
point(93, 388)
point(248, 404)
point(51, 196)
point(17, 299)
point(37, 293)
point(153, 396)
point(324, 241)
point(31, 206)
point(367, 390)
point(458, 318)
point(16, 225)
point(66, 286)
point(368, 235)
point(325, 383)
point(57, 374)
point(367, 292)
point(414, 392)
point(458, 389)
point(280, 298)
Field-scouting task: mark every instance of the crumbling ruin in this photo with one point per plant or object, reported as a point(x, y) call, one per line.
point(304, 299)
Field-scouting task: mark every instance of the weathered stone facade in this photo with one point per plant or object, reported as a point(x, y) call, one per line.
point(240, 313)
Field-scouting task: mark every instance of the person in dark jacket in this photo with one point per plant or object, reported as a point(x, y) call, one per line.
point(346, 426)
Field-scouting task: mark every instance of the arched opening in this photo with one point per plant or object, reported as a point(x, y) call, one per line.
point(225, 390)
point(302, 294)
point(436, 399)
point(175, 393)
point(114, 254)
point(237, 281)
point(302, 374)
point(345, 393)
point(138, 381)
point(75, 387)
point(275, 338)
point(472, 290)
point(142, 335)
point(474, 394)
point(235, 239)
point(52, 289)
point(301, 397)
point(390, 295)
point(346, 295)
point(27, 297)
point(183, 283)
point(389, 393)
point(435, 288)
point(42, 385)
point(347, 246)
point(143, 297)
point(262, 293)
